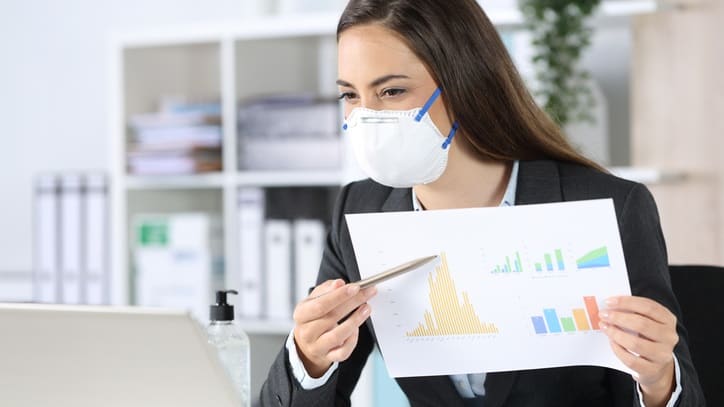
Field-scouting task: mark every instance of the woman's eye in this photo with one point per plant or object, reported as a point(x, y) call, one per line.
point(392, 92)
point(347, 96)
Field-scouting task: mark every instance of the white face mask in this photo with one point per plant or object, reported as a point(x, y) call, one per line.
point(399, 148)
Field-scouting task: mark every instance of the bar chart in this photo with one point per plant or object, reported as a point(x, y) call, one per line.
point(553, 261)
point(594, 259)
point(449, 316)
point(559, 263)
point(506, 267)
point(580, 320)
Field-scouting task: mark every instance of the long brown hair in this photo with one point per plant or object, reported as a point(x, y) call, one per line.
point(480, 85)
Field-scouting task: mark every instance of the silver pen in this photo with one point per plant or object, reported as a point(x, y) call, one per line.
point(395, 271)
point(387, 274)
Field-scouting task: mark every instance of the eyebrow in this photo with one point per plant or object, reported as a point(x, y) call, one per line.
point(377, 82)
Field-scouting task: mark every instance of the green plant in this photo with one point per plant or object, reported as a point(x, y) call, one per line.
point(560, 35)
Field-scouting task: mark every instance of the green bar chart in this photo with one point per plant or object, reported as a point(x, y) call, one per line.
point(553, 261)
point(594, 259)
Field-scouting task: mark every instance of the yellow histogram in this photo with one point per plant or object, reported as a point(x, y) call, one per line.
point(449, 317)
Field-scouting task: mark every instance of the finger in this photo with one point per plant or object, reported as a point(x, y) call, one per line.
point(343, 352)
point(309, 349)
point(310, 331)
point(639, 346)
point(641, 366)
point(336, 337)
point(316, 307)
point(346, 308)
point(326, 287)
point(637, 323)
point(643, 306)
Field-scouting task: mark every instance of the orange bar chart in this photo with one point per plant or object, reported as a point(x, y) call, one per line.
point(592, 307)
point(579, 315)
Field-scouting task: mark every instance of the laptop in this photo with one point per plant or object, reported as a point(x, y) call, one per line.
point(54, 355)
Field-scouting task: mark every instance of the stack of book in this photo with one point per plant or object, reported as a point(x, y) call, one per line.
point(182, 138)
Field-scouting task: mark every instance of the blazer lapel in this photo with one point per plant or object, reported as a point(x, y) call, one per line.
point(538, 182)
point(431, 391)
point(400, 199)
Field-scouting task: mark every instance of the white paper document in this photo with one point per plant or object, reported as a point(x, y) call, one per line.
point(515, 288)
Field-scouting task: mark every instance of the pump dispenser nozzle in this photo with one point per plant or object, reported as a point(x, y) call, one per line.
point(222, 311)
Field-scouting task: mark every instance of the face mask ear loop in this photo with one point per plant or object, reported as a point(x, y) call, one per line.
point(450, 136)
point(428, 104)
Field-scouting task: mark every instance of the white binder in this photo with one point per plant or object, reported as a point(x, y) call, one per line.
point(251, 203)
point(95, 267)
point(46, 269)
point(71, 243)
point(278, 247)
point(308, 248)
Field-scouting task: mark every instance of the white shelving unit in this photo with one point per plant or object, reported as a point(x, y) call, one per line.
point(213, 62)
point(227, 63)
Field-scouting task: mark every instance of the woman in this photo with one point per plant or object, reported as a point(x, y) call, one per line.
point(475, 137)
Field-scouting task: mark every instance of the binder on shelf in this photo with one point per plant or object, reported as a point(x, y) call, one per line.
point(95, 270)
point(71, 240)
point(46, 270)
point(308, 248)
point(251, 203)
point(278, 261)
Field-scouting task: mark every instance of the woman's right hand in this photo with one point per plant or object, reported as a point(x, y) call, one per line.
point(320, 334)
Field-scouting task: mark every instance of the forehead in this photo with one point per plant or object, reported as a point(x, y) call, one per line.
point(373, 50)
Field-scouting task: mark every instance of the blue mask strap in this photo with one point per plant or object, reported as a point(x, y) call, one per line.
point(450, 136)
point(428, 104)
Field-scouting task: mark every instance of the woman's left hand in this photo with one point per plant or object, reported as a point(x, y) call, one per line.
point(643, 334)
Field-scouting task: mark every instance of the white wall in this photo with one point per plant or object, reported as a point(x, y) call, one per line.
point(54, 92)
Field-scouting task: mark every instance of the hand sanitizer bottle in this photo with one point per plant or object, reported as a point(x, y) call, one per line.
point(231, 343)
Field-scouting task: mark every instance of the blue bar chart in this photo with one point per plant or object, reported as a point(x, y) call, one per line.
point(581, 319)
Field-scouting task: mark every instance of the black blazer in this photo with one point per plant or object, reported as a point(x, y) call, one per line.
point(538, 182)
